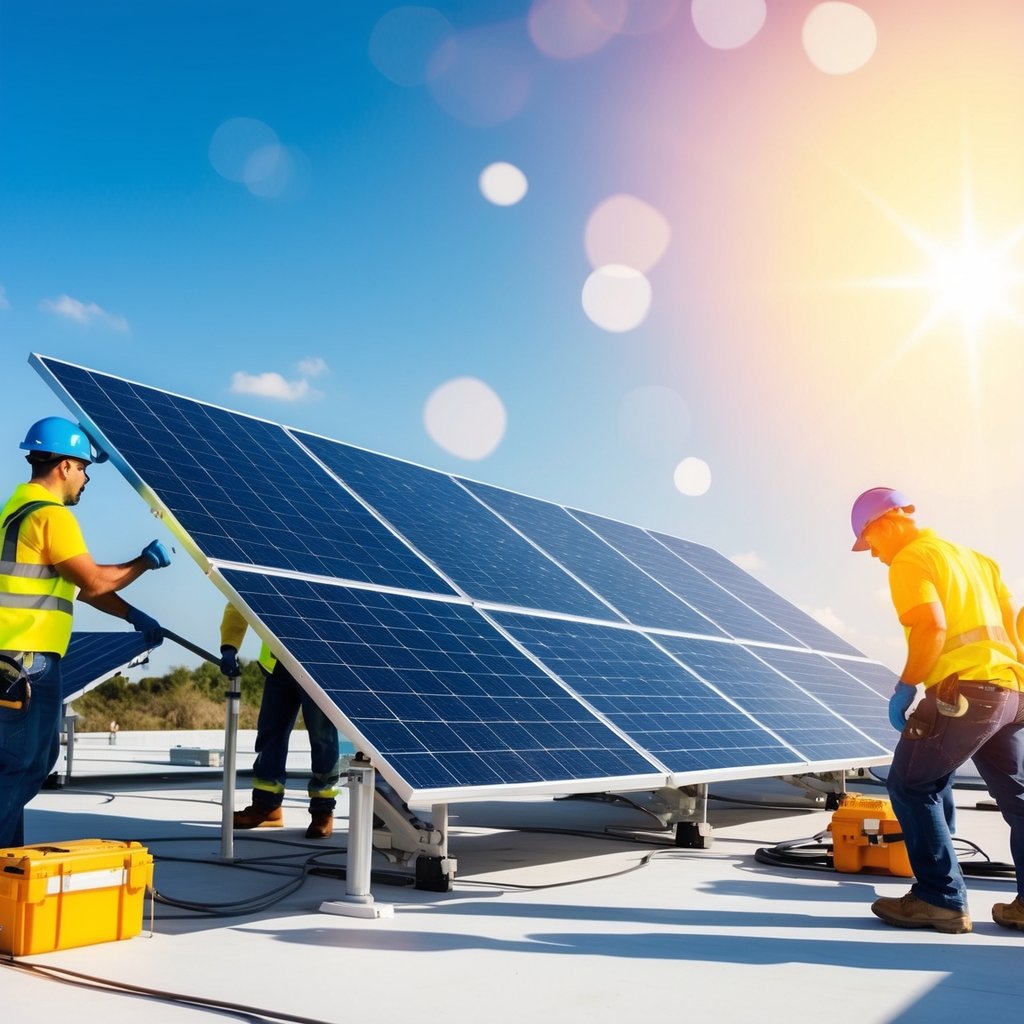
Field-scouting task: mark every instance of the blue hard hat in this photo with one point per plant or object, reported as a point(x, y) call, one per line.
point(60, 436)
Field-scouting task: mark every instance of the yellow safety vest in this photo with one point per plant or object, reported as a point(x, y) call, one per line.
point(36, 602)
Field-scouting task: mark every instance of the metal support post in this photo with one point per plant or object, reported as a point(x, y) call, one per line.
point(358, 901)
point(233, 699)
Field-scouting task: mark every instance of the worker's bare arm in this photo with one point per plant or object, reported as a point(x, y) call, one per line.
point(95, 580)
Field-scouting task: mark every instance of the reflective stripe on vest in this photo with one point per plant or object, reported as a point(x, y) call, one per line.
point(978, 635)
point(36, 603)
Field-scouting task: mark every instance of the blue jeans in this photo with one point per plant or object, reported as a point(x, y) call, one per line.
point(279, 708)
point(920, 783)
point(29, 745)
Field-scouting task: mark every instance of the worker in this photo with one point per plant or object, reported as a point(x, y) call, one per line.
point(279, 709)
point(44, 560)
point(962, 644)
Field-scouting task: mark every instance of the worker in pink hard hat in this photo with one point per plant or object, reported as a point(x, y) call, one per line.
point(962, 645)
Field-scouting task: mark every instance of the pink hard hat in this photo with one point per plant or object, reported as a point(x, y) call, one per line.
point(872, 504)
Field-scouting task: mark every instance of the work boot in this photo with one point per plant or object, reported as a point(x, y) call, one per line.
point(321, 824)
point(910, 912)
point(1009, 915)
point(259, 817)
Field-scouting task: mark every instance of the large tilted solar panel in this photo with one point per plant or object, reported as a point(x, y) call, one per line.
point(632, 659)
point(92, 658)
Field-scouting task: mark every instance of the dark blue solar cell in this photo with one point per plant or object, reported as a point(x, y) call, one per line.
point(775, 702)
point(241, 488)
point(92, 658)
point(621, 674)
point(881, 679)
point(716, 605)
point(467, 542)
point(485, 716)
point(637, 597)
point(728, 575)
point(860, 705)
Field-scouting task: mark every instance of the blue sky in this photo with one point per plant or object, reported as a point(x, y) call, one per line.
point(278, 209)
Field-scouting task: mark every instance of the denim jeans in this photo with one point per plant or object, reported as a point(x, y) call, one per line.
point(279, 708)
point(920, 783)
point(29, 745)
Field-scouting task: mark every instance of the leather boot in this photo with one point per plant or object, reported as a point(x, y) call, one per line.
point(321, 824)
point(1009, 915)
point(259, 817)
point(910, 912)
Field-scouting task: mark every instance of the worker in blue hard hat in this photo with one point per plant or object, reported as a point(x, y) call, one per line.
point(962, 645)
point(44, 561)
point(280, 704)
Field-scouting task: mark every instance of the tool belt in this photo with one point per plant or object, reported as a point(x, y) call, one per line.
point(15, 688)
point(951, 701)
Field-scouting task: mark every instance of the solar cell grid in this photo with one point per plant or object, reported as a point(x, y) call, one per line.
point(714, 604)
point(753, 592)
point(485, 558)
point(772, 700)
point(92, 658)
point(243, 489)
point(504, 721)
point(641, 690)
point(637, 597)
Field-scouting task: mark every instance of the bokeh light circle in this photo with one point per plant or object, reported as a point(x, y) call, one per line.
point(503, 184)
point(626, 230)
point(404, 41)
point(234, 143)
point(839, 37)
point(567, 29)
point(692, 477)
point(465, 417)
point(617, 298)
point(728, 24)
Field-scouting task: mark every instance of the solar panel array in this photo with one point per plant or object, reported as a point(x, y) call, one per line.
point(91, 658)
point(474, 641)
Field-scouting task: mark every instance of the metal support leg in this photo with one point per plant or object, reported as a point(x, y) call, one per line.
point(358, 901)
point(233, 699)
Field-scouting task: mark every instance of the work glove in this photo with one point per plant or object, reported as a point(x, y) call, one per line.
point(229, 662)
point(156, 554)
point(899, 704)
point(146, 625)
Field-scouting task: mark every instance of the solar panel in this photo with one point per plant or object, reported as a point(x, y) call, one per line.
point(715, 604)
point(431, 688)
point(728, 575)
point(475, 642)
point(636, 595)
point(92, 658)
point(484, 557)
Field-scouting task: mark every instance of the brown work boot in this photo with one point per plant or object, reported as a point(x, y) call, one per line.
point(321, 824)
point(259, 817)
point(910, 912)
point(1009, 915)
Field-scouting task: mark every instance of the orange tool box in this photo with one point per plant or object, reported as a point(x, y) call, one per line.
point(867, 837)
point(71, 894)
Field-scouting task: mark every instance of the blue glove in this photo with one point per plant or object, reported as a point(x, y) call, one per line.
point(156, 554)
point(899, 704)
point(147, 626)
point(229, 662)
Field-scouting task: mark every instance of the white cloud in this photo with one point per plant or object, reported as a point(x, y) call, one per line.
point(271, 385)
point(312, 366)
point(84, 312)
point(4, 304)
point(749, 560)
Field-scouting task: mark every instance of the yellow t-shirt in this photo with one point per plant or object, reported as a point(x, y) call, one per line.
point(233, 628)
point(970, 589)
point(47, 536)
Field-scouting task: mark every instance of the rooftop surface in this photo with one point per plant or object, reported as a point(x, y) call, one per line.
point(561, 909)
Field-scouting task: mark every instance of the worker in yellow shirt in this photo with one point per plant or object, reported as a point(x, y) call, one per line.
point(962, 644)
point(44, 560)
point(279, 709)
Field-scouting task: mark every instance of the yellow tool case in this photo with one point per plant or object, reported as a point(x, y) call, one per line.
point(864, 832)
point(71, 894)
